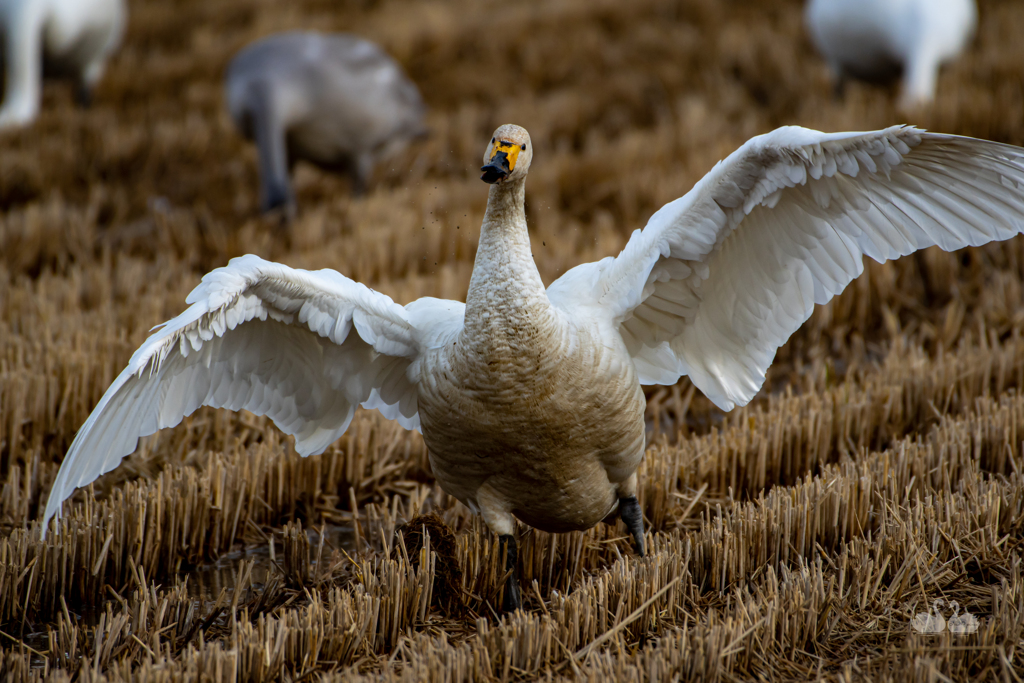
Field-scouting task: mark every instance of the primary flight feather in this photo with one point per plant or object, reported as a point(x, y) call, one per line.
point(528, 398)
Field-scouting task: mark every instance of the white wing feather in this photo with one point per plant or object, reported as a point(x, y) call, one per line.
point(269, 339)
point(719, 279)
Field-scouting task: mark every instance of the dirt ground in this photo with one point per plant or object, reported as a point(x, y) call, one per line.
point(879, 470)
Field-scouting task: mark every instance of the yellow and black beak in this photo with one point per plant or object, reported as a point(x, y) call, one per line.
point(502, 162)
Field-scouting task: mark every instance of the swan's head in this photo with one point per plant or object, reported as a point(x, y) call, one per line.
point(508, 155)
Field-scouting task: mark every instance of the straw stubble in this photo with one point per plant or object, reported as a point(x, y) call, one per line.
point(795, 538)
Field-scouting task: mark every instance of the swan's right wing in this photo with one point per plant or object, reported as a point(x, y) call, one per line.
point(719, 279)
point(304, 348)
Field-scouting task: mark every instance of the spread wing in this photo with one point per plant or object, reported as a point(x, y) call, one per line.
point(719, 279)
point(304, 348)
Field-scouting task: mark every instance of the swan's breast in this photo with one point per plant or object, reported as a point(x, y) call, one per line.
point(551, 417)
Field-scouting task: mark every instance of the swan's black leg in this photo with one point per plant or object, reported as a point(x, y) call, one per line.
point(83, 95)
point(513, 599)
point(362, 172)
point(633, 517)
point(839, 85)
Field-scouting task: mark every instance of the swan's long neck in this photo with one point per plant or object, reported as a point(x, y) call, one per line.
point(506, 292)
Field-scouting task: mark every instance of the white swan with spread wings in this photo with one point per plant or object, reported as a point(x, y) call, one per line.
point(528, 397)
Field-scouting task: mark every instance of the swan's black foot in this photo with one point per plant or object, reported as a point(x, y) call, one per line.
point(633, 517)
point(513, 599)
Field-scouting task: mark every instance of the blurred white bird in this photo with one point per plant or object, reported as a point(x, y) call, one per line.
point(70, 38)
point(529, 399)
point(876, 40)
point(337, 101)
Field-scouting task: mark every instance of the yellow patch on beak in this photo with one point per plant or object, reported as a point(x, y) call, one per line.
point(511, 153)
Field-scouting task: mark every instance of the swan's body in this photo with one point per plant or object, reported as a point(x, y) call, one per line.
point(72, 38)
point(337, 101)
point(527, 412)
point(529, 398)
point(876, 40)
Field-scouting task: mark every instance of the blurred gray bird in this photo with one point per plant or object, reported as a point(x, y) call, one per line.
point(876, 40)
point(71, 38)
point(335, 100)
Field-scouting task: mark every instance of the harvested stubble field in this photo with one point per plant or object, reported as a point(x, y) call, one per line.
point(880, 468)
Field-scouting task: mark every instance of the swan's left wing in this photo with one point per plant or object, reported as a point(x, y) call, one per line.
point(719, 279)
point(303, 348)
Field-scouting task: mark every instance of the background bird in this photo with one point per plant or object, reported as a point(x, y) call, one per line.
point(528, 398)
point(69, 38)
point(337, 101)
point(877, 40)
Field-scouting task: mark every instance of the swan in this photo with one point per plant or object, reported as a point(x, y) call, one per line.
point(930, 622)
point(877, 39)
point(529, 398)
point(337, 101)
point(71, 37)
point(961, 624)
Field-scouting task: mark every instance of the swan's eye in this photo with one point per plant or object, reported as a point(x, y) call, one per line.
point(492, 141)
point(523, 146)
